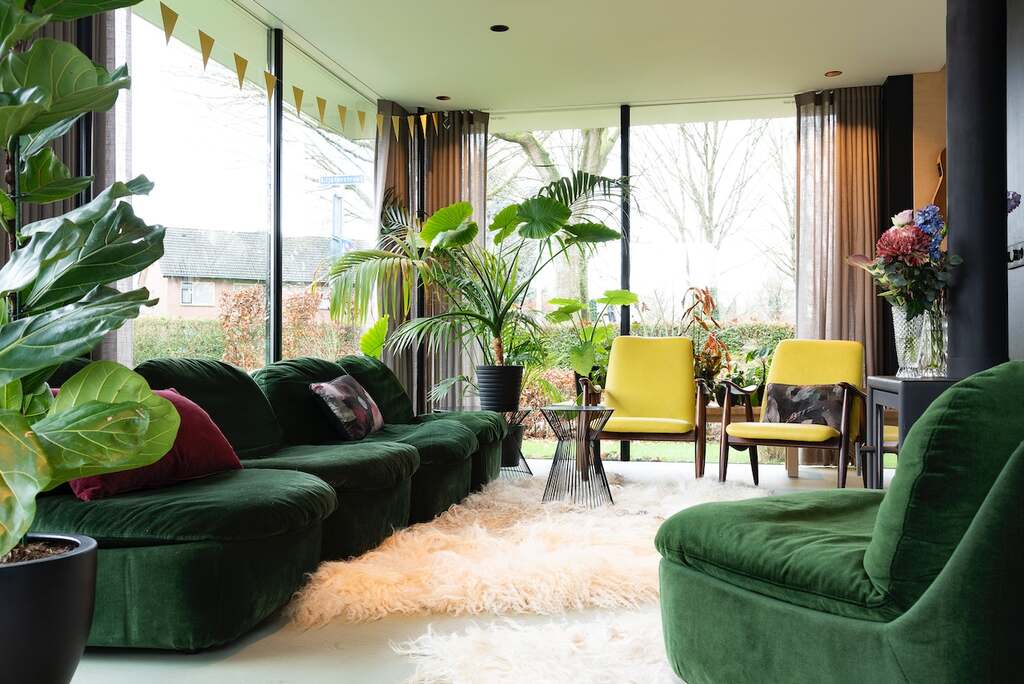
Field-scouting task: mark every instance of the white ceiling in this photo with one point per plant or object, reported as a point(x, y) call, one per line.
point(596, 54)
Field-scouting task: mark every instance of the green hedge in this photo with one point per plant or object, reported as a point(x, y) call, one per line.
point(157, 337)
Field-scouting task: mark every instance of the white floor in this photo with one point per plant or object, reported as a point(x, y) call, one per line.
point(277, 653)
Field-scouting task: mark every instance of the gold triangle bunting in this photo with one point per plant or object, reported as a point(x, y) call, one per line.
point(380, 123)
point(412, 125)
point(241, 64)
point(362, 120)
point(434, 116)
point(206, 47)
point(170, 18)
point(271, 80)
point(298, 92)
point(321, 108)
point(423, 123)
point(396, 126)
point(342, 115)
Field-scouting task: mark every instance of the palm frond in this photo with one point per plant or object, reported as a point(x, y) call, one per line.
point(580, 190)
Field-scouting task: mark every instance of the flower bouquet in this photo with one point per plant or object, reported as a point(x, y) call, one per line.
point(912, 272)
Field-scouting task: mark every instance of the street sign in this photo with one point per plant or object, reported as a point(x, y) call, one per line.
point(329, 181)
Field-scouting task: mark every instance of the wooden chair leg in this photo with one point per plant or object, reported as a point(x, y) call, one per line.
point(701, 451)
point(723, 458)
point(753, 464)
point(844, 462)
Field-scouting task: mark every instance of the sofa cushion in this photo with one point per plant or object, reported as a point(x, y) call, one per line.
point(352, 465)
point(806, 549)
point(199, 450)
point(676, 426)
point(948, 463)
point(438, 441)
point(286, 385)
point(349, 407)
point(383, 386)
point(795, 432)
point(228, 394)
point(488, 426)
point(233, 506)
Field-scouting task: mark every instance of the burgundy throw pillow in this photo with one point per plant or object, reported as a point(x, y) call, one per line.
point(350, 408)
point(199, 450)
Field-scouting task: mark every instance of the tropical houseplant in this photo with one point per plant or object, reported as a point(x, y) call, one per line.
point(56, 304)
point(479, 292)
point(588, 356)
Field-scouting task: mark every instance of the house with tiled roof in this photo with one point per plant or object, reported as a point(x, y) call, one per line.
point(199, 266)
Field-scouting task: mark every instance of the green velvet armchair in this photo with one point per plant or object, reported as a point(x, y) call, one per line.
point(923, 583)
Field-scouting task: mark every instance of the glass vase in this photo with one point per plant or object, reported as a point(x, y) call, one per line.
point(907, 332)
point(933, 356)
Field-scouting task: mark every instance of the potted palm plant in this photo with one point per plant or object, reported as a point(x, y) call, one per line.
point(481, 291)
point(55, 305)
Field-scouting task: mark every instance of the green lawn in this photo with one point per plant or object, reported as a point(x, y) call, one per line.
point(671, 452)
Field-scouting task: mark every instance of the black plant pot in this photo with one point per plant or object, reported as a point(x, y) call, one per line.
point(512, 446)
point(47, 612)
point(499, 387)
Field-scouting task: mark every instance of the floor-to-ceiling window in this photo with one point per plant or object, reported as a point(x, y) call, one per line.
point(328, 203)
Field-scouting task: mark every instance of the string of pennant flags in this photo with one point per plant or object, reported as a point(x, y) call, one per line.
point(169, 17)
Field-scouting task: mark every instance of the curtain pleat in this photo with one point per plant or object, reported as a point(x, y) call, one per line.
point(838, 148)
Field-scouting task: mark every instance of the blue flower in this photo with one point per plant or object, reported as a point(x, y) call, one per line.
point(929, 219)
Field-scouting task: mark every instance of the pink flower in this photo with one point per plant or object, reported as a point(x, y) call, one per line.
point(903, 218)
point(908, 244)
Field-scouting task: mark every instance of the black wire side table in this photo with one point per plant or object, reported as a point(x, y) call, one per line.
point(577, 473)
point(522, 469)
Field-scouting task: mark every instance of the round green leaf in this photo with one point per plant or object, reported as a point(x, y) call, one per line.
point(619, 298)
point(592, 233)
point(454, 217)
point(112, 383)
point(542, 217)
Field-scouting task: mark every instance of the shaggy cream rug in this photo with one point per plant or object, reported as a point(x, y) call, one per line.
point(502, 551)
point(620, 649)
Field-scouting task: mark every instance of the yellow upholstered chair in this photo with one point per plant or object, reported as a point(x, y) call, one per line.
point(805, 363)
point(653, 391)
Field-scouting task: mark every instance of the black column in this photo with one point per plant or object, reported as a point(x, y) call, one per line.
point(976, 111)
point(275, 266)
point(626, 262)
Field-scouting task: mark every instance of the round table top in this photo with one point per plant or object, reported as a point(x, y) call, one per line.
point(576, 407)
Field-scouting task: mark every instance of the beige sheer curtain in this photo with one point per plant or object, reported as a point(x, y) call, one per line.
point(394, 169)
point(838, 147)
point(455, 166)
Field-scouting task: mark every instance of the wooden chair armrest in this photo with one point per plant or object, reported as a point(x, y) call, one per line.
point(745, 391)
point(856, 390)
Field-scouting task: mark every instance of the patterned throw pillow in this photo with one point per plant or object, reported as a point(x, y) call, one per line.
point(349, 406)
point(815, 404)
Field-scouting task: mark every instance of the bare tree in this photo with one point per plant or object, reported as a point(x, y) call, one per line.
point(781, 142)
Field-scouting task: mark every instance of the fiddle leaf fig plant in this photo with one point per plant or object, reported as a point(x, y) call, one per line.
point(57, 299)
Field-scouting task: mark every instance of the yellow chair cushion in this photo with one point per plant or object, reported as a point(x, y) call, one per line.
point(651, 377)
point(795, 432)
point(650, 425)
point(817, 362)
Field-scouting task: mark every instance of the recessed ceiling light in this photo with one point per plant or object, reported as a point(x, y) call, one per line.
point(443, 98)
point(833, 73)
point(499, 28)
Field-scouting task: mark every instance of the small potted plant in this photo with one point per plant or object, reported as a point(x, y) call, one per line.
point(712, 355)
point(588, 356)
point(56, 304)
point(481, 291)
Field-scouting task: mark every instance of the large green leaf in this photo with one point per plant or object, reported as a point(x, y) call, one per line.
point(17, 24)
point(31, 144)
point(451, 219)
point(112, 383)
point(24, 472)
point(11, 396)
point(49, 339)
point(44, 250)
point(505, 223)
point(66, 10)
point(460, 237)
point(619, 298)
point(94, 210)
point(566, 309)
point(46, 179)
point(35, 406)
point(70, 80)
point(117, 246)
point(542, 217)
point(18, 109)
point(591, 233)
point(373, 340)
point(581, 358)
point(92, 439)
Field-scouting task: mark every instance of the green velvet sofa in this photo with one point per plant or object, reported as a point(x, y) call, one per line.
point(920, 584)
